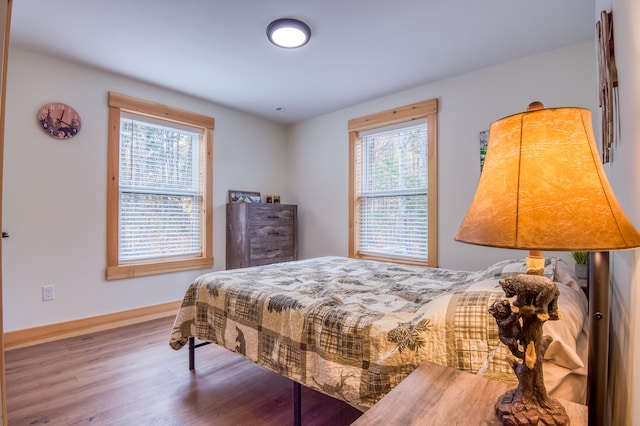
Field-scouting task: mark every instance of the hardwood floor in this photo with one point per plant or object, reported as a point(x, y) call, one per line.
point(130, 376)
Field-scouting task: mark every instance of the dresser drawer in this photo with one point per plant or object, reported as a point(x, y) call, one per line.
point(270, 260)
point(260, 251)
point(258, 234)
point(265, 215)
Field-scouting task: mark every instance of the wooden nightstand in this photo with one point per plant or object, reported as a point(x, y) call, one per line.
point(438, 395)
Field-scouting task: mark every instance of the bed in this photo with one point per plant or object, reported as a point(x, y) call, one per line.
point(353, 329)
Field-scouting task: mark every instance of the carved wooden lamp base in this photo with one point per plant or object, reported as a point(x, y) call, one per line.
point(520, 329)
point(513, 410)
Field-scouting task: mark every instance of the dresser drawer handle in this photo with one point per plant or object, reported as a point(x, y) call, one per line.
point(274, 233)
point(273, 217)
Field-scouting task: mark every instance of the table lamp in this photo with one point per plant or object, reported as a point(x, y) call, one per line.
point(543, 187)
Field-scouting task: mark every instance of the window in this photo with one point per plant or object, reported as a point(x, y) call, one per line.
point(159, 197)
point(393, 185)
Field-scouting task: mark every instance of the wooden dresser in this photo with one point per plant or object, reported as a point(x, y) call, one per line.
point(259, 234)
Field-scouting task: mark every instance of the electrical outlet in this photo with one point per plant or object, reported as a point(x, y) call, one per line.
point(48, 292)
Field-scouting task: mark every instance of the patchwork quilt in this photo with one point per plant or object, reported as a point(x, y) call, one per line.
point(354, 329)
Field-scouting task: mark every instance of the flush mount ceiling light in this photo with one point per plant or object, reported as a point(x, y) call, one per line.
point(288, 33)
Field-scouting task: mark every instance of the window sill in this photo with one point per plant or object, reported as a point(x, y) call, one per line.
point(143, 269)
point(393, 260)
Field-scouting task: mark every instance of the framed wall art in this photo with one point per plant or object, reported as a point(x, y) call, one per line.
point(244, 197)
point(484, 142)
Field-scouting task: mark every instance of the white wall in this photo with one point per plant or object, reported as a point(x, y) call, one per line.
point(55, 191)
point(624, 176)
point(318, 148)
point(54, 204)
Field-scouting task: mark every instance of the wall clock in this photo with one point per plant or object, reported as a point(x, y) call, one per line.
point(59, 120)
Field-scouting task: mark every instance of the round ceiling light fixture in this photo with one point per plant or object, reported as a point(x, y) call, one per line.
point(288, 33)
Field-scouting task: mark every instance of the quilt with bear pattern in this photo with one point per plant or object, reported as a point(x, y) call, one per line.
point(353, 329)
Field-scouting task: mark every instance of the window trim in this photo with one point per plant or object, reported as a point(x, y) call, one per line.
point(429, 111)
point(119, 103)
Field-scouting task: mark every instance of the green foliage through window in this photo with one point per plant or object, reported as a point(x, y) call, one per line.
point(393, 195)
point(159, 191)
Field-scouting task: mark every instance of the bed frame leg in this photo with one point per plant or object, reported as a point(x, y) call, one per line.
point(192, 353)
point(297, 404)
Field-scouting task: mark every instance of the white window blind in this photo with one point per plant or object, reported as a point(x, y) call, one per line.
point(160, 190)
point(393, 191)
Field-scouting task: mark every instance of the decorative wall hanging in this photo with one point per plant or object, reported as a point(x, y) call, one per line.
point(484, 141)
point(608, 82)
point(59, 120)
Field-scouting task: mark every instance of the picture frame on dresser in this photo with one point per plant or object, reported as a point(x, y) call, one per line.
point(244, 197)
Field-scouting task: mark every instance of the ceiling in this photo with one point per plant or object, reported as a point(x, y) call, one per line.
point(217, 50)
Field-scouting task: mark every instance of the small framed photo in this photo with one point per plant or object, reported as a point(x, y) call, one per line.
point(244, 197)
point(276, 199)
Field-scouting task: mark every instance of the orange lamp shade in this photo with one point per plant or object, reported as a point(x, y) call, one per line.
point(543, 187)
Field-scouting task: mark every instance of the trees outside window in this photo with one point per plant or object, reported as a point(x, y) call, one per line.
point(393, 185)
point(159, 205)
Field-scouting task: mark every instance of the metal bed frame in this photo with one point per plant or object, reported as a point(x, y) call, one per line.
point(297, 387)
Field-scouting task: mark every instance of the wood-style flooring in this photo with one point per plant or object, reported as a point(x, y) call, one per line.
point(130, 376)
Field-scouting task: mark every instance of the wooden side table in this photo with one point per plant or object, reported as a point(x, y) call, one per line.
point(437, 395)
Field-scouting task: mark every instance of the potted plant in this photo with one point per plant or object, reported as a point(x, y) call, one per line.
point(581, 258)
